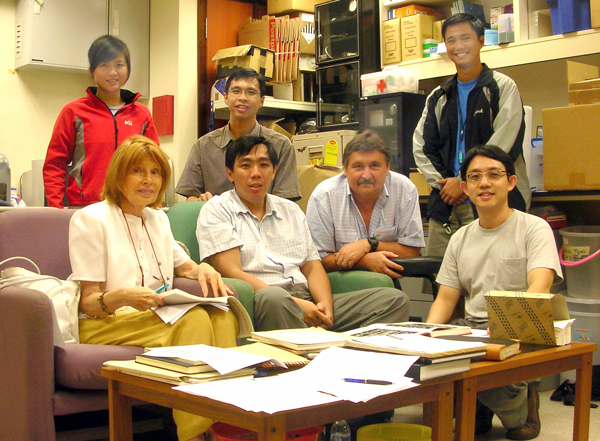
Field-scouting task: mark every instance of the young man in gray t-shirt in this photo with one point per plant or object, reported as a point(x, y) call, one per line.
point(504, 250)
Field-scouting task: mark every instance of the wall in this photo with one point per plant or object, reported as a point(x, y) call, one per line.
point(30, 100)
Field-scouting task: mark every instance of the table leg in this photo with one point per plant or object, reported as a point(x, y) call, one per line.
point(465, 407)
point(583, 396)
point(273, 429)
point(119, 414)
point(438, 414)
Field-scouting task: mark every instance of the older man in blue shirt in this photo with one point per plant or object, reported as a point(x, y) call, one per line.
point(364, 217)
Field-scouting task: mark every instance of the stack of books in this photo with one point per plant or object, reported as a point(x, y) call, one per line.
point(182, 370)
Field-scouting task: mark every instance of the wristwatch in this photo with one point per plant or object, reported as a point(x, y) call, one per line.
point(374, 244)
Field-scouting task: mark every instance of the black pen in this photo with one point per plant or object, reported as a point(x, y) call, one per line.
point(364, 381)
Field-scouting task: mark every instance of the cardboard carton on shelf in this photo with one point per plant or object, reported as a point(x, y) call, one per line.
point(415, 29)
point(406, 11)
point(279, 6)
point(390, 41)
point(260, 59)
point(571, 147)
point(584, 84)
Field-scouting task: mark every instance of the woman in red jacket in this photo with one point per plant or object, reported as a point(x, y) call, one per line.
point(88, 130)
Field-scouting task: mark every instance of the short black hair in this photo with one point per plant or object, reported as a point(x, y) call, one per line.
point(461, 17)
point(489, 151)
point(367, 141)
point(106, 48)
point(244, 73)
point(244, 144)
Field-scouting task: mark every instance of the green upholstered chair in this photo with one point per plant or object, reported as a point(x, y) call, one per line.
point(183, 218)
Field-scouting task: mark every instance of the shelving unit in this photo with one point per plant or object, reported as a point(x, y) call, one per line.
point(522, 51)
point(272, 107)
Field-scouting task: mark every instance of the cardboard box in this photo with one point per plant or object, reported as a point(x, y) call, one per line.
point(414, 30)
point(406, 11)
point(583, 83)
point(257, 32)
point(308, 34)
point(584, 92)
point(595, 13)
point(437, 30)
point(421, 183)
point(526, 316)
point(577, 72)
point(278, 6)
point(310, 176)
point(260, 59)
point(390, 41)
point(261, 32)
point(572, 148)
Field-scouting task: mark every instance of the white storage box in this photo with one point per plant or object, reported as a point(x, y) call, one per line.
point(390, 80)
point(322, 148)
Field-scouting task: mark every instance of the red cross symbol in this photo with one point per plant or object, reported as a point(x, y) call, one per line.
point(382, 85)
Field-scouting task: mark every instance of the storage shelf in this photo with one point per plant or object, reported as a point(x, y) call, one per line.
point(553, 196)
point(538, 50)
point(272, 107)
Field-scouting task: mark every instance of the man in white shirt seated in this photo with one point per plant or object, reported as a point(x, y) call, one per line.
point(368, 214)
point(503, 250)
point(251, 235)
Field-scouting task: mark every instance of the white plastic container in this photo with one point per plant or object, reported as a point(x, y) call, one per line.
point(390, 80)
point(586, 327)
point(581, 258)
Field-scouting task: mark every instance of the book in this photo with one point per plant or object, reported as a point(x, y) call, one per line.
point(289, 359)
point(179, 297)
point(301, 340)
point(528, 317)
point(171, 377)
point(423, 371)
point(429, 329)
point(413, 344)
point(497, 349)
point(174, 364)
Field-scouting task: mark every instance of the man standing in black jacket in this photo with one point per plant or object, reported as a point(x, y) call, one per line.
point(476, 106)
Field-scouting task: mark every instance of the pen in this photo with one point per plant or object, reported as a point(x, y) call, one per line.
point(359, 380)
point(162, 288)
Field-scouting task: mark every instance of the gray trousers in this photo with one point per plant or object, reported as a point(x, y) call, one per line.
point(275, 308)
point(438, 238)
point(508, 402)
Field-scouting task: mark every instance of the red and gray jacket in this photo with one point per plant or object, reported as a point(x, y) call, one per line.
point(86, 135)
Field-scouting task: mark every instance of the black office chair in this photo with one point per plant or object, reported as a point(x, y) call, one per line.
point(421, 267)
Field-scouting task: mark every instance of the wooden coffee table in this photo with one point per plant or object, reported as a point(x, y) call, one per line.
point(437, 396)
point(490, 374)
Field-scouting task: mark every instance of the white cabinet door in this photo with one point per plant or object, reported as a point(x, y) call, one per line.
point(130, 21)
point(58, 33)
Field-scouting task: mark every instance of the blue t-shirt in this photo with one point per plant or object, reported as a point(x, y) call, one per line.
point(463, 93)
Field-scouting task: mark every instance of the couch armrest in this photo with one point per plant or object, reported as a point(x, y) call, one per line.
point(26, 363)
point(346, 281)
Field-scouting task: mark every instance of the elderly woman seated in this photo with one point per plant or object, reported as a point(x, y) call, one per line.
point(122, 251)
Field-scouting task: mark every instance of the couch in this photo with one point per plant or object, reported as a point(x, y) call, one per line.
point(183, 217)
point(40, 381)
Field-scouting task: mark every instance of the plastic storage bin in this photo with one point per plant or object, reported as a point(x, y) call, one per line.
point(394, 432)
point(390, 80)
point(226, 432)
point(569, 15)
point(581, 258)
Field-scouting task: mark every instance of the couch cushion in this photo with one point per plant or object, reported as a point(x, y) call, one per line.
point(77, 366)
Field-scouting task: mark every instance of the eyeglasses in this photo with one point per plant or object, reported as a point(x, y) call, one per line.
point(490, 175)
point(251, 93)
